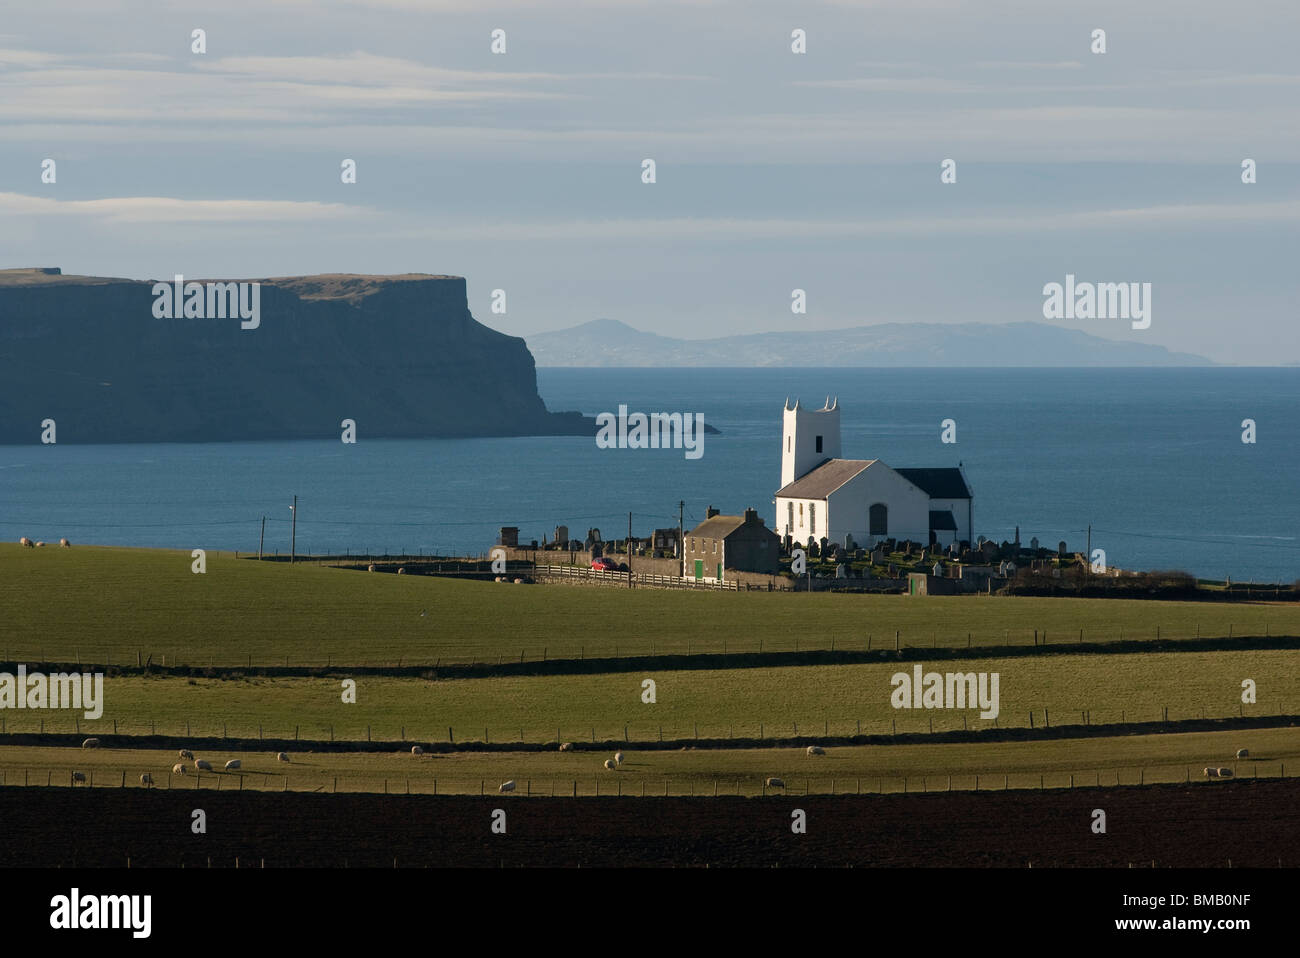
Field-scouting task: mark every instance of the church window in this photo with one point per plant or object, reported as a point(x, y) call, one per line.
point(812, 518)
point(819, 443)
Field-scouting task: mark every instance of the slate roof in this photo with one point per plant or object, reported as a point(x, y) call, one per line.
point(938, 483)
point(825, 479)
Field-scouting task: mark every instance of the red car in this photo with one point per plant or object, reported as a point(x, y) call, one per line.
point(604, 564)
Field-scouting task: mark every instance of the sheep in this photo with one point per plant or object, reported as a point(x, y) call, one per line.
point(78, 777)
point(566, 746)
point(816, 750)
point(371, 567)
point(401, 570)
point(1243, 753)
point(774, 783)
point(64, 543)
point(186, 753)
point(609, 764)
point(178, 769)
point(146, 780)
point(233, 765)
point(506, 786)
point(1211, 773)
point(416, 750)
point(202, 765)
point(1225, 773)
point(40, 545)
point(24, 541)
point(519, 581)
point(281, 757)
point(90, 743)
point(618, 758)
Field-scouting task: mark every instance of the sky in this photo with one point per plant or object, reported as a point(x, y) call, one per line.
point(775, 170)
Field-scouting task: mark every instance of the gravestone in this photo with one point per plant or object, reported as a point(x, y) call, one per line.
point(1060, 548)
point(1033, 543)
point(841, 572)
point(561, 533)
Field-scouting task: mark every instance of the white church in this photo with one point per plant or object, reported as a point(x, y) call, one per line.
point(824, 496)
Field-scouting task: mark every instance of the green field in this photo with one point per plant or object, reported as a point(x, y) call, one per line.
point(722, 703)
point(1128, 761)
point(106, 605)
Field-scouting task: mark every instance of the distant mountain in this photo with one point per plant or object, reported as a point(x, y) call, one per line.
point(607, 342)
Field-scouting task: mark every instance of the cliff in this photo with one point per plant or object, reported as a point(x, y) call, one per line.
point(400, 355)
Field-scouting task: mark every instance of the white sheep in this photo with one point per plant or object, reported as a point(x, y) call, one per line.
point(566, 746)
point(1225, 773)
point(233, 765)
point(1211, 773)
point(401, 570)
point(281, 757)
point(40, 545)
point(24, 541)
point(202, 765)
point(609, 764)
point(371, 567)
point(618, 758)
point(774, 783)
point(417, 750)
point(1243, 753)
point(78, 777)
point(506, 786)
point(186, 753)
point(178, 769)
point(816, 750)
point(90, 743)
point(65, 543)
point(146, 780)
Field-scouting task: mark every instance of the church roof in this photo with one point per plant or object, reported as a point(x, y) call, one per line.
point(825, 479)
point(938, 483)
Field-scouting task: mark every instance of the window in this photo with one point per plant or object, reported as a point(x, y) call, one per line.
point(812, 517)
point(788, 440)
point(715, 546)
point(879, 519)
point(692, 545)
point(789, 517)
point(819, 443)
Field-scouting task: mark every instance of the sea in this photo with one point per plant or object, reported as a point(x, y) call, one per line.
point(1152, 459)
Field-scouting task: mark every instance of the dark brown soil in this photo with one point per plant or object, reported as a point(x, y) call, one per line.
point(1251, 823)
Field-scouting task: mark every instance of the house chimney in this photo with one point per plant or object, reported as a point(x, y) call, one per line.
point(751, 516)
point(710, 512)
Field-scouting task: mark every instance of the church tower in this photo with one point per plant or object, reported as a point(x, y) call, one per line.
point(808, 438)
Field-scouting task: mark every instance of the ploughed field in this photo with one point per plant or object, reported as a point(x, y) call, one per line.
point(1244, 823)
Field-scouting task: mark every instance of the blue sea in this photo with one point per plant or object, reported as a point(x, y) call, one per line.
point(1153, 459)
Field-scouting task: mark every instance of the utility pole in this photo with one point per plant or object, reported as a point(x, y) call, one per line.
point(629, 550)
point(681, 543)
point(293, 534)
point(1087, 556)
point(261, 539)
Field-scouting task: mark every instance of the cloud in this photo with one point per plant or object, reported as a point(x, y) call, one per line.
point(161, 209)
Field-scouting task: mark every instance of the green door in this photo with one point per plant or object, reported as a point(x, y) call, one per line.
point(719, 571)
point(699, 568)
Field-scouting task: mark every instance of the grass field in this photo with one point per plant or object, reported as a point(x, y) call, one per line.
point(1127, 760)
point(690, 704)
point(105, 605)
